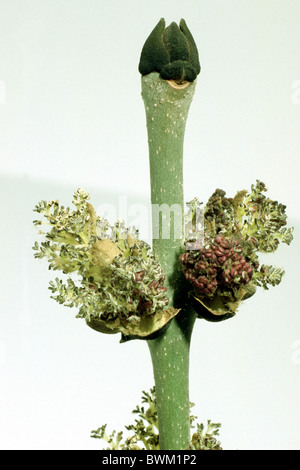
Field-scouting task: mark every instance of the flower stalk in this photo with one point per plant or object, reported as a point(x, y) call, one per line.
point(167, 105)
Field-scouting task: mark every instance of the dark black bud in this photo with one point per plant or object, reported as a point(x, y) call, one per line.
point(172, 52)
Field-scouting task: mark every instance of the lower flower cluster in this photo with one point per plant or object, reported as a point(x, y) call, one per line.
point(145, 432)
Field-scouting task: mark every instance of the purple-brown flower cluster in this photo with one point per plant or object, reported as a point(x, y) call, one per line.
point(221, 265)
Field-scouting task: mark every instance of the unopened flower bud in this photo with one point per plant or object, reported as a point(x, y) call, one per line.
point(172, 52)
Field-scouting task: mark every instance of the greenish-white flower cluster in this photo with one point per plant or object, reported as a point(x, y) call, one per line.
point(118, 284)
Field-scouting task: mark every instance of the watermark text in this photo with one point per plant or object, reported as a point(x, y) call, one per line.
point(164, 221)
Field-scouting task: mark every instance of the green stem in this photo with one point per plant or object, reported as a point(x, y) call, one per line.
point(167, 106)
point(170, 359)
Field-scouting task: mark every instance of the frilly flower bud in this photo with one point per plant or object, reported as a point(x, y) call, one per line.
point(172, 52)
point(121, 285)
point(225, 271)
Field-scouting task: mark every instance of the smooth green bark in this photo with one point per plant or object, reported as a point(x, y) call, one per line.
point(167, 106)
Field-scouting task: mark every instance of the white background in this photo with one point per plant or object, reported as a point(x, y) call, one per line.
point(71, 116)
